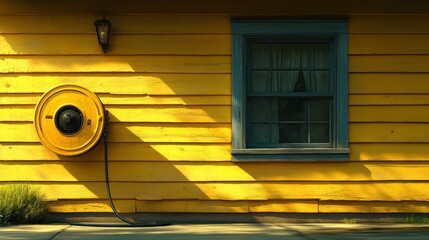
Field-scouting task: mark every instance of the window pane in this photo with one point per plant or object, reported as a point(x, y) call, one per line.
point(290, 81)
point(260, 109)
point(319, 133)
point(320, 110)
point(259, 133)
point(292, 109)
point(260, 54)
point(259, 81)
point(319, 55)
point(320, 81)
point(283, 80)
point(302, 82)
point(287, 67)
point(292, 133)
point(289, 56)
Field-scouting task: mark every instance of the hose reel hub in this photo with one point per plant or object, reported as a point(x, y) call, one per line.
point(69, 120)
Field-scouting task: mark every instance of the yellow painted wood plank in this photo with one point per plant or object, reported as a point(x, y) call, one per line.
point(16, 113)
point(148, 24)
point(391, 63)
point(264, 191)
point(388, 44)
point(378, 191)
point(48, 44)
point(288, 206)
point(160, 64)
point(126, 64)
point(73, 206)
point(70, 171)
point(17, 132)
point(391, 99)
point(209, 133)
point(395, 23)
point(61, 171)
point(389, 151)
point(128, 206)
point(128, 44)
point(373, 207)
point(294, 172)
point(389, 114)
point(389, 132)
point(382, 83)
point(189, 206)
point(192, 206)
point(170, 23)
point(212, 100)
point(150, 84)
point(206, 114)
point(202, 114)
point(123, 152)
point(19, 99)
point(226, 206)
point(31, 99)
point(130, 132)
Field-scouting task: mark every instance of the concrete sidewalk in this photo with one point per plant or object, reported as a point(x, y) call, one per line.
point(218, 231)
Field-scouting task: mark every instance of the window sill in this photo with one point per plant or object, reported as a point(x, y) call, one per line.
point(287, 154)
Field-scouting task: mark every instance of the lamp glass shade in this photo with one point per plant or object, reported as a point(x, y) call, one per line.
point(103, 31)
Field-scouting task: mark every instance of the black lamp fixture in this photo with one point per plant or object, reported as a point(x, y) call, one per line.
point(103, 31)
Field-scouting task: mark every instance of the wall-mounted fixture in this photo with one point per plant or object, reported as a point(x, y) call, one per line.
point(69, 120)
point(103, 27)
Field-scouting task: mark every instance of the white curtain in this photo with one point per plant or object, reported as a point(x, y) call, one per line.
point(277, 68)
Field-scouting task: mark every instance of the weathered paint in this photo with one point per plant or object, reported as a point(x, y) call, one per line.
point(398, 190)
point(133, 113)
point(134, 132)
point(129, 84)
point(194, 206)
point(166, 79)
point(175, 171)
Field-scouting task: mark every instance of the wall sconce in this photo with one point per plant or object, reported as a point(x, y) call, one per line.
point(103, 31)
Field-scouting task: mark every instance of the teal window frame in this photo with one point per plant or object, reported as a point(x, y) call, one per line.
point(243, 31)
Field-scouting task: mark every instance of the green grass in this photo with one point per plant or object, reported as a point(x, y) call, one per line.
point(21, 204)
point(414, 220)
point(349, 221)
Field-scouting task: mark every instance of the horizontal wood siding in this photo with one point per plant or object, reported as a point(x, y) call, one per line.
point(230, 191)
point(389, 88)
point(388, 105)
point(164, 171)
point(166, 81)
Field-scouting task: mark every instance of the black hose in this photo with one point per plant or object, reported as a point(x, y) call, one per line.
point(109, 194)
point(107, 180)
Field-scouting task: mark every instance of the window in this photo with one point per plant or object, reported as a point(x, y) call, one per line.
point(289, 90)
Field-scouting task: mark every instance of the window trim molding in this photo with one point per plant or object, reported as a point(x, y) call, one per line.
point(243, 29)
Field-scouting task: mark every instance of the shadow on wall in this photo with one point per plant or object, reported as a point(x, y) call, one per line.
point(172, 148)
point(168, 96)
point(170, 105)
point(147, 135)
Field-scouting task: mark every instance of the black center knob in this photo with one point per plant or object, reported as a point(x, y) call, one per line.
point(68, 120)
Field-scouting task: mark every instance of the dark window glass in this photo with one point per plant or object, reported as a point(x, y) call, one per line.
point(289, 98)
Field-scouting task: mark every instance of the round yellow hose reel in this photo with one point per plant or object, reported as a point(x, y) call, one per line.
point(69, 120)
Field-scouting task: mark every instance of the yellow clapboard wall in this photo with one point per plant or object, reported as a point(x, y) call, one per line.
point(166, 81)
